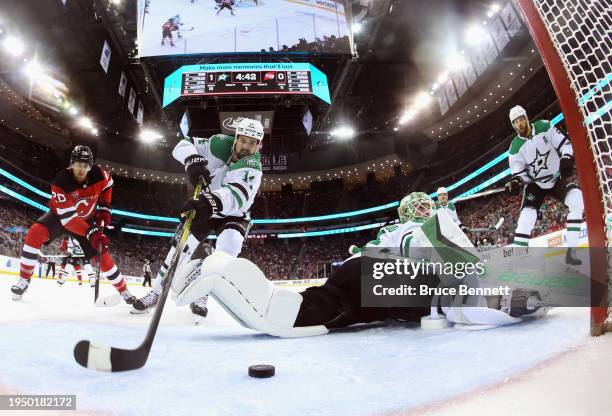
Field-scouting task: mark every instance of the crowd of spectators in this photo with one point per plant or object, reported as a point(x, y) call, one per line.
point(294, 257)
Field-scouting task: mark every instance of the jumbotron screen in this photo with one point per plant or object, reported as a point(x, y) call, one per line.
point(246, 78)
point(181, 27)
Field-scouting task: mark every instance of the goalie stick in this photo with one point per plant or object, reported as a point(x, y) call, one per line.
point(100, 357)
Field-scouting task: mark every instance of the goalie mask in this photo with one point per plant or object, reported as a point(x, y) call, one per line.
point(416, 206)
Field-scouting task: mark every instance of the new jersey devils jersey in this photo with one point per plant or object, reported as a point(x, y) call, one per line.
point(74, 202)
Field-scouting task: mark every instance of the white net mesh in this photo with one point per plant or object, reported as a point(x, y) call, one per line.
point(580, 31)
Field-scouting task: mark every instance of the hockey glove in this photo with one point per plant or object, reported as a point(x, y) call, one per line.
point(205, 206)
point(97, 239)
point(514, 186)
point(566, 166)
point(196, 167)
point(353, 249)
point(103, 215)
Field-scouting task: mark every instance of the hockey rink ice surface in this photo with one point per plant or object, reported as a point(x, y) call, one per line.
point(252, 28)
point(542, 367)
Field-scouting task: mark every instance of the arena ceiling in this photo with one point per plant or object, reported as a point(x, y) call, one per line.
point(397, 50)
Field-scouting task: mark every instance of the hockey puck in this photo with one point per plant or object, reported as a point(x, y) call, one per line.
point(261, 371)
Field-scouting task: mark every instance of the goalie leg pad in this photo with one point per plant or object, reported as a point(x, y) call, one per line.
point(195, 275)
point(244, 291)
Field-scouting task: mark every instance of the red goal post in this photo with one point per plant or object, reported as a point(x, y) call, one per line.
point(572, 37)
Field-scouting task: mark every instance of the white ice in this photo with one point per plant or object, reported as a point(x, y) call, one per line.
point(273, 23)
point(373, 370)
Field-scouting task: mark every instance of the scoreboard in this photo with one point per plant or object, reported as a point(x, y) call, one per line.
point(240, 79)
point(246, 82)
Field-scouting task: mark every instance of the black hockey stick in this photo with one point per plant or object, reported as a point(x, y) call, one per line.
point(97, 284)
point(102, 357)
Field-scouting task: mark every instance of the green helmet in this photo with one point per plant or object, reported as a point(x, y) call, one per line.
point(414, 207)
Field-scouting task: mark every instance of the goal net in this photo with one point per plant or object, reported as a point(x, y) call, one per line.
point(573, 38)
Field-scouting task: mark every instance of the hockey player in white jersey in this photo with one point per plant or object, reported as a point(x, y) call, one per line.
point(448, 207)
point(542, 164)
point(232, 168)
point(245, 292)
point(75, 256)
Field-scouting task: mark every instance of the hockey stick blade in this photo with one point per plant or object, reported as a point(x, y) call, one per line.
point(102, 357)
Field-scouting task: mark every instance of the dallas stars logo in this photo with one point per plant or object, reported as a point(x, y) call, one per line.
point(248, 178)
point(539, 163)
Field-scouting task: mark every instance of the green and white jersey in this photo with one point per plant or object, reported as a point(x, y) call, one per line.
point(73, 248)
point(235, 183)
point(395, 235)
point(450, 209)
point(538, 156)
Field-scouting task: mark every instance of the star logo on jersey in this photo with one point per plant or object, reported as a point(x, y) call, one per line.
point(540, 162)
point(248, 178)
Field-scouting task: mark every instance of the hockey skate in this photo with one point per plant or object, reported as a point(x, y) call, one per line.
point(61, 281)
point(145, 303)
point(199, 309)
point(19, 288)
point(128, 297)
point(570, 258)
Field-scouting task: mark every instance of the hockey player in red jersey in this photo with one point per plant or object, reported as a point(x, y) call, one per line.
point(80, 207)
point(167, 29)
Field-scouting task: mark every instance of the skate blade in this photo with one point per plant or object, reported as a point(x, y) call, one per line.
point(137, 312)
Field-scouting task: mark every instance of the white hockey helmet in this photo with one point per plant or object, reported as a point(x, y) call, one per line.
point(442, 190)
point(516, 112)
point(250, 128)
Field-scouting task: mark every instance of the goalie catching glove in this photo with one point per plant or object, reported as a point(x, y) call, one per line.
point(205, 206)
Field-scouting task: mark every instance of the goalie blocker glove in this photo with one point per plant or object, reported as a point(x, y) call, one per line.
point(196, 166)
point(514, 186)
point(566, 166)
point(205, 206)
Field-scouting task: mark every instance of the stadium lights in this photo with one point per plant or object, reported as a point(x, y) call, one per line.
point(73, 111)
point(455, 62)
point(421, 100)
point(443, 77)
point(13, 45)
point(474, 34)
point(343, 132)
point(86, 123)
point(495, 7)
point(149, 136)
point(407, 116)
point(34, 70)
point(357, 27)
